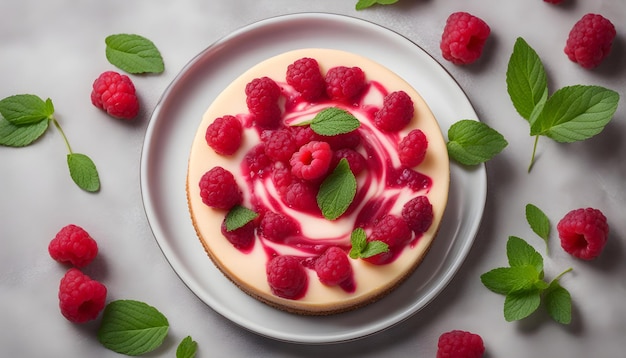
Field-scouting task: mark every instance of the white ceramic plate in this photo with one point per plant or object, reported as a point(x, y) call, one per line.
point(177, 116)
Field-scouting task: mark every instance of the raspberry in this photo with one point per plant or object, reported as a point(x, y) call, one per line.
point(418, 214)
point(312, 160)
point(356, 161)
point(115, 94)
point(262, 100)
point(287, 277)
point(590, 40)
point(583, 233)
point(256, 162)
point(224, 135)
point(345, 140)
point(344, 83)
point(277, 227)
point(412, 148)
point(407, 177)
point(279, 144)
point(463, 38)
point(219, 189)
point(305, 77)
point(301, 195)
point(333, 266)
point(391, 230)
point(81, 299)
point(460, 344)
point(396, 112)
point(304, 134)
point(241, 238)
point(72, 244)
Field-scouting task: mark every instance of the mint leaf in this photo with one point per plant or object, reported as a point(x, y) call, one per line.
point(521, 304)
point(363, 4)
point(374, 248)
point(526, 79)
point(83, 172)
point(23, 135)
point(186, 348)
point(133, 54)
point(25, 109)
point(538, 222)
point(239, 216)
point(472, 142)
point(337, 191)
point(132, 327)
point(520, 253)
point(504, 280)
point(361, 248)
point(558, 302)
point(576, 113)
point(333, 121)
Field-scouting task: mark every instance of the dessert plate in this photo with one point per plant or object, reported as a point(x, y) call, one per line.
point(175, 121)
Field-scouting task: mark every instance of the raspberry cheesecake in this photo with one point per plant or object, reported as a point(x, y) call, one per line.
point(317, 181)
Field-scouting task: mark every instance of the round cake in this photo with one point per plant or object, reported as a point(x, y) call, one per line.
point(317, 181)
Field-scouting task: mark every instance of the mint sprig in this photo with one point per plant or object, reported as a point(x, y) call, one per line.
point(363, 4)
point(133, 54)
point(333, 121)
point(337, 191)
point(524, 286)
point(538, 222)
point(186, 348)
point(361, 248)
point(472, 142)
point(25, 118)
point(132, 327)
point(571, 114)
point(239, 216)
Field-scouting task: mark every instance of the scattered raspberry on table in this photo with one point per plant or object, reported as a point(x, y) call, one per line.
point(463, 38)
point(73, 245)
point(583, 233)
point(81, 299)
point(460, 344)
point(115, 94)
point(590, 40)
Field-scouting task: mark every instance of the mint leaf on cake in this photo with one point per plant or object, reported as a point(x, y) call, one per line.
point(337, 191)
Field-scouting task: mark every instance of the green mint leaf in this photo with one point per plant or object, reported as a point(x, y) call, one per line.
point(333, 121)
point(558, 302)
point(358, 239)
point(504, 280)
point(374, 248)
point(25, 109)
point(83, 172)
point(576, 113)
point(363, 4)
point(472, 142)
point(538, 222)
point(521, 304)
point(520, 253)
point(337, 191)
point(23, 135)
point(133, 54)
point(239, 216)
point(526, 80)
point(186, 348)
point(132, 327)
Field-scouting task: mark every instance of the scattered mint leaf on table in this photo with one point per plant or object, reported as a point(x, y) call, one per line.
point(239, 216)
point(132, 327)
point(472, 142)
point(361, 248)
point(538, 222)
point(133, 54)
point(571, 114)
point(558, 302)
point(337, 191)
point(25, 118)
point(186, 348)
point(363, 4)
point(521, 304)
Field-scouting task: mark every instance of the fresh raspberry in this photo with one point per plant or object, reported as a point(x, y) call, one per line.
point(224, 135)
point(262, 96)
point(391, 230)
point(279, 144)
point(344, 83)
point(256, 163)
point(418, 214)
point(333, 266)
point(277, 226)
point(304, 134)
point(583, 233)
point(460, 344)
point(72, 244)
point(301, 195)
point(356, 161)
point(305, 77)
point(115, 94)
point(241, 238)
point(396, 112)
point(345, 140)
point(312, 160)
point(287, 277)
point(590, 40)
point(81, 299)
point(463, 38)
point(219, 189)
point(412, 148)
